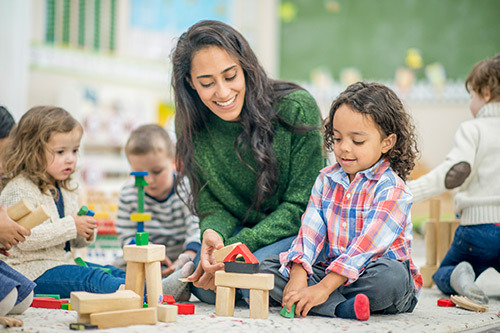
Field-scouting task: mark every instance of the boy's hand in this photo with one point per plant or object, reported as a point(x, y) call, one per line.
point(305, 298)
point(85, 225)
point(298, 281)
point(11, 233)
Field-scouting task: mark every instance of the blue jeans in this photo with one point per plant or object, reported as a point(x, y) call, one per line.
point(64, 279)
point(479, 245)
point(208, 296)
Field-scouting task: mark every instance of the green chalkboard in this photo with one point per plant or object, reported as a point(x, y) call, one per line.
point(374, 35)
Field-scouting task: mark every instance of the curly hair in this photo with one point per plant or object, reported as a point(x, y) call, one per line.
point(257, 116)
point(25, 151)
point(386, 109)
point(485, 74)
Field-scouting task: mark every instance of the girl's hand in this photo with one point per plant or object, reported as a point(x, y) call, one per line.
point(204, 275)
point(85, 225)
point(11, 233)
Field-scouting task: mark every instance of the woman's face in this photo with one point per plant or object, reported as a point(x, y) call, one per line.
point(219, 81)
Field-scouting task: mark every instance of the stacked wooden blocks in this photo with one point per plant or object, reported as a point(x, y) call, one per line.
point(23, 213)
point(243, 275)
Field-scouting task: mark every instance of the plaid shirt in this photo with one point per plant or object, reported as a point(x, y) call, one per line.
point(361, 221)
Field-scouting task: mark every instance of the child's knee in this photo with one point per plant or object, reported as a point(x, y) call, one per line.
point(270, 265)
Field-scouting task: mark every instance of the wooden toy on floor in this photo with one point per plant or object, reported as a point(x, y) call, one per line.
point(23, 213)
point(222, 253)
point(466, 303)
point(438, 238)
point(11, 322)
point(259, 285)
point(144, 316)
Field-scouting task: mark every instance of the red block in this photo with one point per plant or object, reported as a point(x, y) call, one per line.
point(445, 302)
point(244, 251)
point(169, 299)
point(185, 308)
point(48, 302)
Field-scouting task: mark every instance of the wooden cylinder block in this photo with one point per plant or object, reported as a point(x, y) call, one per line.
point(19, 209)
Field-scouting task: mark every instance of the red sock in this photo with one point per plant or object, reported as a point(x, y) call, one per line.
point(362, 307)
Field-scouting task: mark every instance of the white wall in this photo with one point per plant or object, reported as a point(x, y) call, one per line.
point(14, 55)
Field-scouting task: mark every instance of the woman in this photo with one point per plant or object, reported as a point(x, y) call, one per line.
point(249, 146)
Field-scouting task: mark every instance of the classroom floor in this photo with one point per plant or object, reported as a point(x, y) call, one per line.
point(427, 316)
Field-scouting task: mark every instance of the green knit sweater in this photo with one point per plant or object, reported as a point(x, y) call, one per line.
point(230, 185)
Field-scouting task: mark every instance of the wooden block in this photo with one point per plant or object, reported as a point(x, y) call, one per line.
point(241, 267)
point(85, 302)
point(444, 241)
point(243, 250)
point(84, 318)
point(427, 271)
point(262, 281)
point(430, 243)
point(36, 217)
point(153, 283)
point(144, 253)
point(122, 318)
point(135, 277)
point(221, 253)
point(466, 303)
point(259, 303)
point(140, 217)
point(19, 209)
point(224, 301)
point(166, 313)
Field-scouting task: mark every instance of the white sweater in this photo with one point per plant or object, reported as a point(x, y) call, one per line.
point(477, 142)
point(44, 248)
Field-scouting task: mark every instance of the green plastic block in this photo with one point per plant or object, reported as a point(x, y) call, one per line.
point(83, 210)
point(54, 296)
point(141, 238)
point(65, 306)
point(287, 314)
point(79, 261)
point(144, 305)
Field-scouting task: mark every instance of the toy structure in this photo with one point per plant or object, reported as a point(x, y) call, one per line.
point(438, 238)
point(125, 307)
point(226, 282)
point(23, 213)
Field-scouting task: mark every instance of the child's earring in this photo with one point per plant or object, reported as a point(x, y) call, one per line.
point(389, 142)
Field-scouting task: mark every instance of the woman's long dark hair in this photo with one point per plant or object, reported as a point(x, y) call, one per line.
point(257, 116)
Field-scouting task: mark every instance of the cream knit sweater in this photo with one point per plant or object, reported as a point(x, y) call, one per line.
point(44, 248)
point(477, 142)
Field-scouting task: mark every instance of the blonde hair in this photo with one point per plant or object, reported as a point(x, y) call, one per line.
point(25, 151)
point(149, 138)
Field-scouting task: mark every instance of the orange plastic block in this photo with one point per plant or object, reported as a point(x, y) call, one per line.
point(48, 302)
point(169, 299)
point(244, 251)
point(185, 308)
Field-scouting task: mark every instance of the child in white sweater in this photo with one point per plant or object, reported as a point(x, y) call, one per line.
point(471, 167)
point(38, 162)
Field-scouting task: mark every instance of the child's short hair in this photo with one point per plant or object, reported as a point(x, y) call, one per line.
point(25, 152)
point(149, 138)
point(6, 122)
point(485, 73)
point(387, 111)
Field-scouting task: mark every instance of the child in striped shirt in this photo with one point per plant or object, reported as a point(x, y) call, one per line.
point(358, 216)
point(150, 149)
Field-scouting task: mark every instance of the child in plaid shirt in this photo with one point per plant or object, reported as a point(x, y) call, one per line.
point(358, 215)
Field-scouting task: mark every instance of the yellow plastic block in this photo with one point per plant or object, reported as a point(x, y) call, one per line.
point(140, 217)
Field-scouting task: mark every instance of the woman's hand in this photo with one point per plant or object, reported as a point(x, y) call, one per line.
point(11, 233)
point(204, 275)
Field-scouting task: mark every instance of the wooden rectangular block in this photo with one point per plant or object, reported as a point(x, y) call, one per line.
point(427, 271)
point(19, 209)
point(166, 313)
point(153, 283)
point(261, 281)
point(144, 253)
point(121, 318)
point(135, 277)
point(430, 243)
point(221, 253)
point(259, 304)
point(36, 217)
point(84, 318)
point(85, 302)
point(224, 301)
